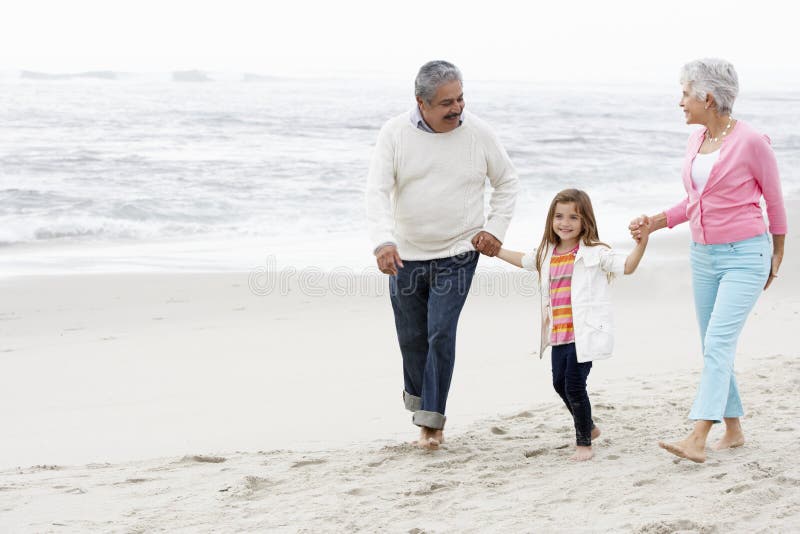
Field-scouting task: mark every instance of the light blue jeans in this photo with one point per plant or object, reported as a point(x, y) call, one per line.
point(727, 280)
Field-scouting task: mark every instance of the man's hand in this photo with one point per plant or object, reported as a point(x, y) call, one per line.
point(486, 243)
point(388, 259)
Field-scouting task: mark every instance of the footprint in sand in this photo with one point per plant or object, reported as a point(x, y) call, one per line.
point(377, 463)
point(788, 481)
point(436, 486)
point(133, 481)
point(498, 431)
point(204, 459)
point(535, 452)
point(612, 457)
point(759, 471)
point(739, 488)
point(303, 463)
point(248, 487)
point(645, 482)
point(605, 406)
point(681, 525)
point(254, 483)
point(521, 415)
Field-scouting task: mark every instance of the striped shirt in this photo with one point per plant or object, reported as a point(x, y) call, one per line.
point(561, 267)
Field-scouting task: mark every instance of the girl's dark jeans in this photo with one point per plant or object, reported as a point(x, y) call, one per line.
point(569, 381)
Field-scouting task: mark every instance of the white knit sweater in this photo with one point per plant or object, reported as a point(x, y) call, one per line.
point(425, 191)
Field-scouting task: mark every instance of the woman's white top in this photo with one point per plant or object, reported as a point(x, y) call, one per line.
point(701, 168)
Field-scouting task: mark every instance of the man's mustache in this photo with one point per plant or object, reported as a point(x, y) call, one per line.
point(452, 115)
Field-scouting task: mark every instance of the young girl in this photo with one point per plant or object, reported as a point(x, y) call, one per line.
point(576, 268)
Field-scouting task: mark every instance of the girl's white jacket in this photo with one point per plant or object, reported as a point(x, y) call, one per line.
point(591, 299)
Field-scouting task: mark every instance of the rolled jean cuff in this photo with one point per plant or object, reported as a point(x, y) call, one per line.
point(705, 417)
point(713, 421)
point(429, 419)
point(412, 403)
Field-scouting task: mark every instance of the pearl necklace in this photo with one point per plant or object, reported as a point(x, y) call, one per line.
point(723, 134)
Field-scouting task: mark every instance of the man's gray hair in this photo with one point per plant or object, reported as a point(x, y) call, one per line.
point(712, 76)
point(432, 75)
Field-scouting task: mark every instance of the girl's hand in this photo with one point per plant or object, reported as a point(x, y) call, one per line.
point(640, 228)
point(773, 274)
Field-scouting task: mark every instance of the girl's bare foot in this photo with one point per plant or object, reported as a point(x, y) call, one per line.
point(582, 453)
point(689, 448)
point(729, 440)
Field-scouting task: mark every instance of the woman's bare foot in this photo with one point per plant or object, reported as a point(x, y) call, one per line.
point(690, 448)
point(583, 453)
point(596, 433)
point(729, 440)
point(733, 437)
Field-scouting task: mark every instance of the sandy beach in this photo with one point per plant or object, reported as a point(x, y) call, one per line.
point(267, 401)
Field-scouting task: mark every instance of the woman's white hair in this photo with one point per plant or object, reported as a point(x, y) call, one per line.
point(713, 76)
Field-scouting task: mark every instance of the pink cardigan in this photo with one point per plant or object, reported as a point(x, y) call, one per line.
point(728, 209)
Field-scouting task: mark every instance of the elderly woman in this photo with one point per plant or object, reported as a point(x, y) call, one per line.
point(728, 167)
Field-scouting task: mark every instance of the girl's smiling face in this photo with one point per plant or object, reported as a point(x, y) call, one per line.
point(567, 223)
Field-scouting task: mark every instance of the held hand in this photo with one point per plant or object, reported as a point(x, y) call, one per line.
point(486, 243)
point(773, 273)
point(640, 228)
point(388, 259)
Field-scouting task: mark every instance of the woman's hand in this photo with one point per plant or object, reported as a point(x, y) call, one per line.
point(777, 258)
point(654, 222)
point(640, 228)
point(773, 274)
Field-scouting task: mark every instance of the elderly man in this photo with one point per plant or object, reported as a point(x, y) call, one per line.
point(425, 206)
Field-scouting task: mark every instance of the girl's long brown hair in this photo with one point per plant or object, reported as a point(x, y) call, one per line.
point(583, 206)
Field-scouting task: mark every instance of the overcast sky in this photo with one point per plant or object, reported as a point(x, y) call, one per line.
point(625, 41)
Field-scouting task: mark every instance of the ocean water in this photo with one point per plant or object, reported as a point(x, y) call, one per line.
point(138, 175)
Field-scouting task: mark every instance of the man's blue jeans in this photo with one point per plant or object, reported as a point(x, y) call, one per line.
point(427, 297)
point(727, 280)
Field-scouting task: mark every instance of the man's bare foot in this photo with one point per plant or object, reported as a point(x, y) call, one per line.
point(439, 436)
point(582, 453)
point(427, 438)
point(688, 448)
point(729, 440)
point(596, 433)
